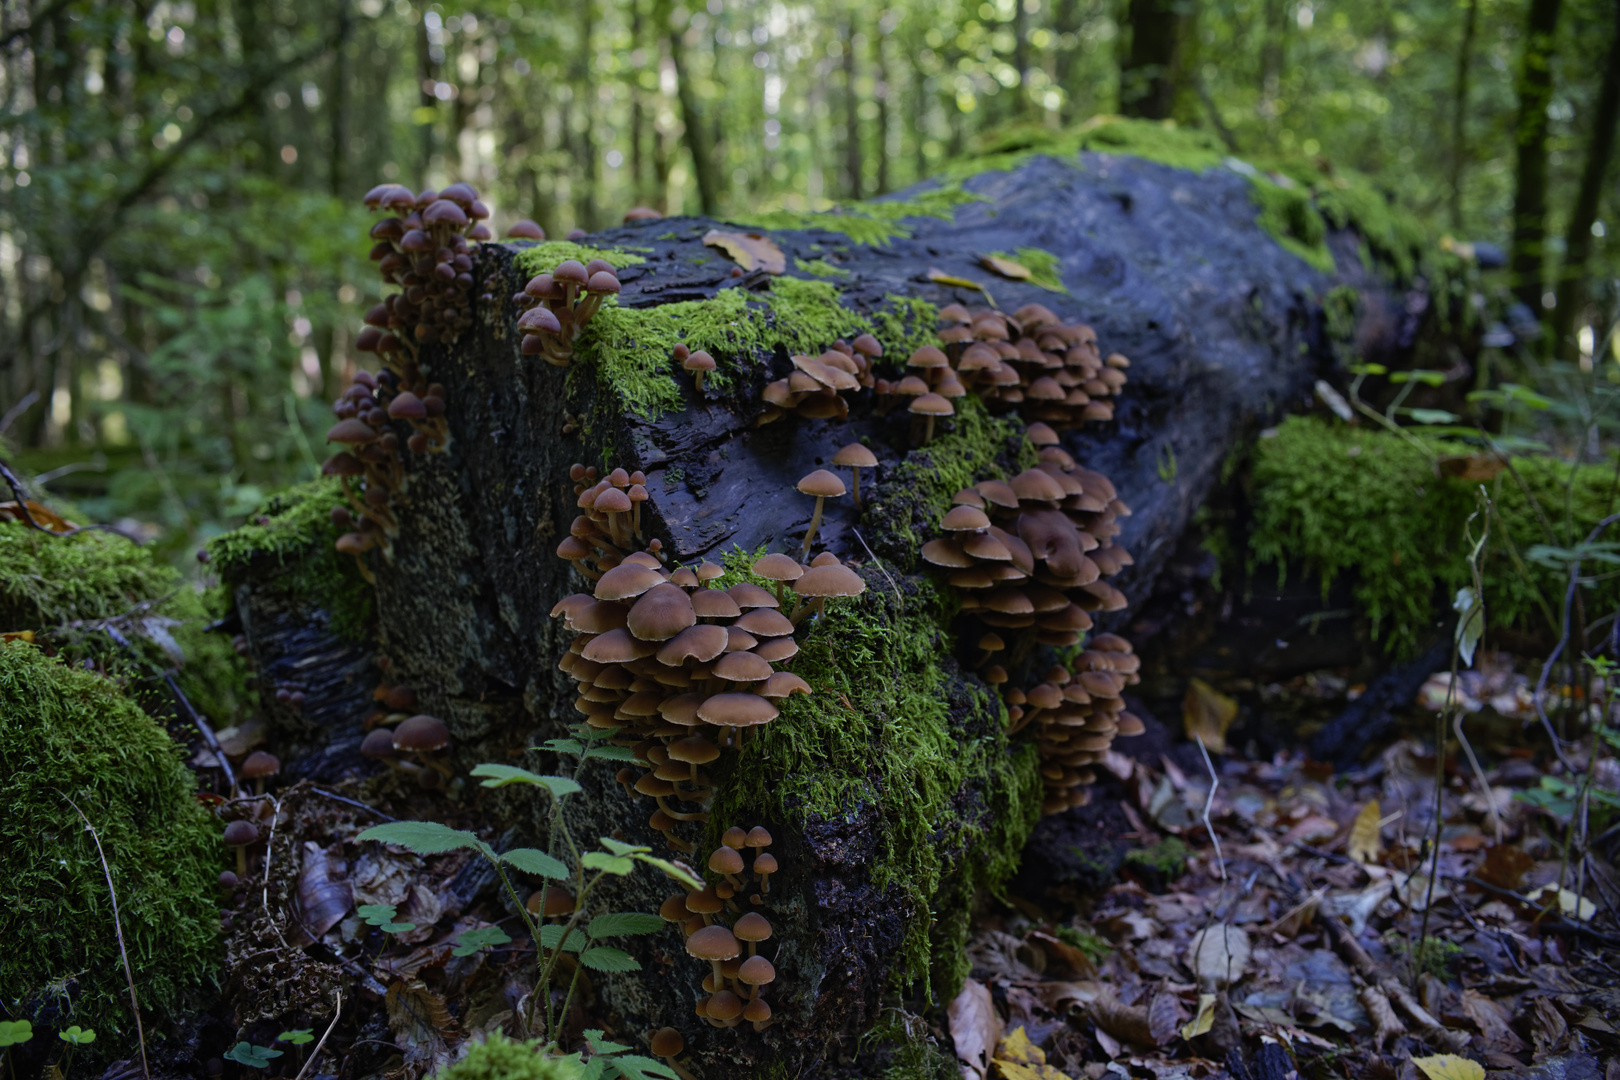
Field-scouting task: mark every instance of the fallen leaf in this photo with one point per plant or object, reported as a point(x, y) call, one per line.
point(25, 636)
point(1450, 1067)
point(323, 902)
point(1205, 1019)
point(751, 251)
point(1207, 713)
point(1366, 844)
point(1019, 1059)
point(1488, 1017)
point(975, 1026)
point(1070, 957)
point(42, 515)
point(1218, 954)
point(1164, 1017)
point(417, 1015)
point(1571, 905)
point(940, 277)
point(1126, 1023)
point(1472, 467)
point(1007, 268)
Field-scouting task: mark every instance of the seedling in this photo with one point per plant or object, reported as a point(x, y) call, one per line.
point(75, 1037)
point(382, 917)
point(254, 1057)
point(608, 1061)
point(14, 1033)
point(483, 937)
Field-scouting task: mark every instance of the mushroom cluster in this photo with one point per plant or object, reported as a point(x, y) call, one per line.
point(927, 390)
point(1031, 554)
point(1076, 712)
point(814, 390)
point(556, 307)
point(423, 248)
point(737, 970)
point(609, 522)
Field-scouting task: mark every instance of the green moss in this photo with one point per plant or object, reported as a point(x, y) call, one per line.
point(543, 257)
point(1287, 214)
point(630, 348)
point(820, 268)
point(294, 529)
point(902, 1047)
point(871, 221)
point(1340, 500)
point(66, 733)
point(500, 1058)
point(1093, 946)
point(1432, 955)
point(1042, 266)
point(1167, 858)
point(67, 587)
point(893, 736)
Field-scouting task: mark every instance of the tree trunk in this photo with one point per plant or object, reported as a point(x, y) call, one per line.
point(585, 202)
point(894, 793)
point(1571, 288)
point(1459, 117)
point(1150, 75)
point(1534, 84)
point(704, 169)
point(884, 88)
point(852, 118)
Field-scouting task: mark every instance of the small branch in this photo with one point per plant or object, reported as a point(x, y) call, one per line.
point(1209, 801)
point(20, 493)
point(112, 894)
point(17, 410)
point(337, 1011)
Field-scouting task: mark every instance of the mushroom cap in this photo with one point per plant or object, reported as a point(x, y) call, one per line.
point(570, 270)
point(928, 357)
point(698, 361)
point(644, 213)
point(702, 643)
point(342, 463)
point(260, 764)
point(1042, 435)
point(756, 970)
point(617, 647)
point(778, 567)
point(705, 902)
point(524, 229)
point(626, 580)
point(1129, 725)
point(713, 942)
point(946, 552)
point(764, 863)
point(764, 622)
point(784, 684)
point(352, 432)
point(241, 833)
point(831, 580)
point(757, 1011)
point(777, 650)
point(855, 456)
point(759, 836)
point(737, 710)
point(407, 406)
point(355, 543)
point(665, 1042)
point(964, 519)
point(714, 604)
point(379, 744)
point(694, 750)
point(682, 709)
point(822, 484)
point(661, 612)
point(867, 346)
point(931, 405)
point(724, 1005)
point(1037, 485)
point(613, 501)
point(603, 281)
point(421, 734)
point(734, 837)
point(598, 617)
point(992, 642)
point(747, 596)
point(726, 860)
point(549, 901)
point(541, 319)
point(911, 386)
point(752, 926)
point(444, 212)
point(742, 667)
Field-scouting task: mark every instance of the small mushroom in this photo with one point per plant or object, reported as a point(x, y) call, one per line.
point(241, 835)
point(712, 943)
point(823, 485)
point(820, 582)
point(259, 767)
point(524, 229)
point(782, 569)
point(667, 1043)
point(728, 862)
point(755, 972)
point(699, 364)
point(855, 457)
point(422, 736)
point(752, 928)
point(930, 407)
point(764, 866)
point(758, 1013)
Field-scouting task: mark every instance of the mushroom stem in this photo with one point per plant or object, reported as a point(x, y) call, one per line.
point(675, 1067)
point(855, 474)
point(1030, 712)
point(815, 522)
point(662, 805)
point(928, 431)
point(719, 978)
point(365, 571)
point(437, 766)
point(241, 862)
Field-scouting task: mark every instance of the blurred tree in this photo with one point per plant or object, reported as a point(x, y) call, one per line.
point(1534, 86)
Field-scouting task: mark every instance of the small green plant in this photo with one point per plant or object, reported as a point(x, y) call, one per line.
point(382, 917)
point(608, 1061)
point(1095, 948)
point(586, 931)
point(297, 1038)
point(254, 1057)
point(14, 1033)
point(75, 1037)
point(482, 938)
point(1429, 955)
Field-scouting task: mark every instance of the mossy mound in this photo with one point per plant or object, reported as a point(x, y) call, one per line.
point(500, 1058)
point(291, 538)
point(67, 586)
point(1366, 502)
point(68, 734)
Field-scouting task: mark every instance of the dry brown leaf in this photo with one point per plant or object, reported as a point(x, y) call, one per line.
point(1547, 1026)
point(1473, 468)
point(1007, 268)
point(1059, 995)
point(1386, 1025)
point(25, 636)
point(1219, 954)
point(42, 515)
point(1207, 713)
point(1366, 843)
point(323, 902)
point(1489, 1018)
point(1505, 866)
point(940, 277)
point(975, 1026)
point(751, 251)
point(1127, 1023)
point(1164, 1016)
point(1067, 955)
point(417, 1015)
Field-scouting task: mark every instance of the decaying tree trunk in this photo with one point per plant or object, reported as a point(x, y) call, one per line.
point(1223, 329)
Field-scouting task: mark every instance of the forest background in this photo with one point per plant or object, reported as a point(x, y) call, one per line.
point(182, 245)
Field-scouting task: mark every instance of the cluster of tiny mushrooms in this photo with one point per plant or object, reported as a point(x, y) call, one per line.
point(684, 670)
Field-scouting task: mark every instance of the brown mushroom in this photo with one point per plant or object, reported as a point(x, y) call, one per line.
point(259, 767)
point(855, 457)
point(241, 835)
point(422, 736)
point(930, 407)
point(714, 944)
point(698, 364)
point(823, 485)
point(820, 582)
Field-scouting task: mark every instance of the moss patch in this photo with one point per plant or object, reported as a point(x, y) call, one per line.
point(66, 732)
point(500, 1058)
point(1041, 264)
point(1343, 500)
point(1287, 214)
point(893, 732)
point(66, 587)
point(872, 221)
point(820, 268)
point(542, 258)
point(630, 348)
point(294, 529)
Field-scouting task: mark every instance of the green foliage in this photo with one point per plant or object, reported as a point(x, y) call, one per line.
point(820, 268)
point(1430, 956)
point(1041, 264)
point(65, 732)
point(499, 1058)
point(1364, 502)
point(874, 221)
point(15, 1032)
point(382, 917)
point(254, 1057)
point(1166, 859)
point(293, 530)
point(543, 257)
point(1090, 944)
point(1287, 214)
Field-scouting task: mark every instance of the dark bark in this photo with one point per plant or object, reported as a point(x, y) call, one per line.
point(1151, 74)
point(1219, 337)
point(1571, 287)
point(1459, 116)
point(1534, 84)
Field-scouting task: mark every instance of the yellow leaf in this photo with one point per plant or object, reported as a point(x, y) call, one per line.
point(1571, 905)
point(1007, 268)
point(26, 636)
point(940, 277)
point(1207, 713)
point(1366, 844)
point(748, 250)
point(1205, 1019)
point(1019, 1059)
point(1450, 1067)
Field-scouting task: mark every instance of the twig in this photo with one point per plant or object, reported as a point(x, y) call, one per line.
point(1209, 800)
point(112, 894)
point(354, 803)
point(898, 599)
point(17, 410)
point(1563, 642)
point(1479, 774)
point(269, 853)
point(337, 1011)
point(189, 713)
point(20, 492)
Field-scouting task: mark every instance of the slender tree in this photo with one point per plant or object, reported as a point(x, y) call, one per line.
point(1534, 83)
point(705, 170)
point(1459, 116)
point(852, 113)
point(1151, 73)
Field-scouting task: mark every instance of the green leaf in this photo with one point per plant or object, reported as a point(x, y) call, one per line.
point(611, 864)
point(607, 958)
point(532, 861)
point(564, 746)
point(591, 734)
point(255, 1057)
point(77, 1035)
point(1426, 377)
point(483, 937)
point(382, 917)
point(596, 1069)
point(599, 1045)
point(1470, 609)
point(678, 874)
point(552, 935)
point(15, 1032)
point(495, 776)
point(619, 847)
point(1368, 369)
point(612, 753)
point(630, 922)
point(298, 1037)
point(640, 1067)
point(425, 837)
point(1432, 416)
